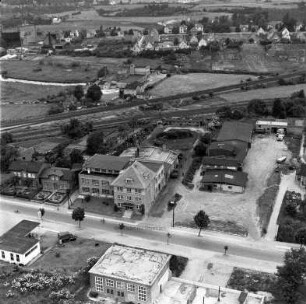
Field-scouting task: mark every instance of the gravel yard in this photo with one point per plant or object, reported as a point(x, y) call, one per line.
point(227, 207)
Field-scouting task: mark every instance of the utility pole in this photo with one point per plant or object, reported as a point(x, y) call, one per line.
point(173, 215)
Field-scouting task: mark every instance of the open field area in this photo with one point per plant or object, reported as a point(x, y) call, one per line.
point(194, 82)
point(227, 208)
point(59, 68)
point(274, 92)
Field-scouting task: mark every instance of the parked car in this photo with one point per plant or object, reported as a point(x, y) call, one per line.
point(64, 237)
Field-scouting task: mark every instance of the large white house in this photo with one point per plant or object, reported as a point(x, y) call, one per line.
point(18, 246)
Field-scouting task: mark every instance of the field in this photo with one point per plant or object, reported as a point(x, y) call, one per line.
point(59, 68)
point(194, 82)
point(273, 92)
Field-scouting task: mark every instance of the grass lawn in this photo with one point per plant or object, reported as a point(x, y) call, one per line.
point(273, 92)
point(194, 82)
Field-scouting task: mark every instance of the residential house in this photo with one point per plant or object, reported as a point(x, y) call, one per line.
point(18, 246)
point(270, 126)
point(224, 180)
point(253, 38)
point(194, 41)
point(301, 175)
point(183, 29)
point(193, 31)
point(168, 157)
point(202, 43)
point(58, 179)
point(301, 36)
point(183, 45)
point(199, 27)
point(98, 173)
point(274, 25)
point(273, 36)
point(168, 29)
point(261, 32)
point(285, 34)
point(140, 70)
point(244, 27)
point(134, 188)
point(56, 20)
point(298, 26)
point(166, 45)
point(28, 171)
point(130, 274)
point(91, 33)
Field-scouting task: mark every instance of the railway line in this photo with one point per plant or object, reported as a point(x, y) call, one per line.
point(63, 116)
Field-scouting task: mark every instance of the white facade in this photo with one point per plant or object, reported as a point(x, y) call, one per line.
point(18, 258)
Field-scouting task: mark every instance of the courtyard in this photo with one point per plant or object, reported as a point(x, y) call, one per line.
point(228, 212)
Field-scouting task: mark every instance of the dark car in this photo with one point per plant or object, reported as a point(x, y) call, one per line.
point(64, 237)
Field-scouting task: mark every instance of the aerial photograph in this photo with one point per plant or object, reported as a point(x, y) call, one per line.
point(153, 152)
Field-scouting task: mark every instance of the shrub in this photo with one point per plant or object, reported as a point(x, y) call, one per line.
point(93, 294)
point(177, 265)
point(57, 254)
point(87, 198)
point(116, 208)
point(75, 64)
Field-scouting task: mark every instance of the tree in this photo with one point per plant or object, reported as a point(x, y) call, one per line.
point(176, 41)
point(102, 72)
point(291, 275)
point(78, 214)
point(300, 236)
point(257, 107)
point(278, 109)
point(94, 93)
point(95, 143)
point(291, 210)
point(6, 138)
point(8, 154)
point(201, 219)
point(76, 156)
point(225, 249)
point(78, 92)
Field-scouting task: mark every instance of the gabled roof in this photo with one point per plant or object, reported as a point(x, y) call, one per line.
point(234, 130)
point(63, 173)
point(107, 162)
point(16, 240)
point(218, 161)
point(28, 166)
point(136, 176)
point(235, 178)
point(153, 166)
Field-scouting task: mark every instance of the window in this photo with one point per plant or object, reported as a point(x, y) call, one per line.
point(97, 169)
point(129, 190)
point(120, 189)
point(95, 191)
point(109, 283)
point(85, 181)
point(95, 182)
point(138, 190)
point(142, 293)
point(111, 291)
point(85, 189)
point(105, 191)
point(138, 199)
point(129, 198)
point(120, 197)
point(12, 257)
point(131, 287)
point(120, 294)
point(3, 254)
point(17, 258)
point(99, 283)
point(119, 285)
point(104, 183)
point(128, 180)
point(31, 250)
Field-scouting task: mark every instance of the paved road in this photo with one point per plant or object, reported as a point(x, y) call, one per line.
point(214, 242)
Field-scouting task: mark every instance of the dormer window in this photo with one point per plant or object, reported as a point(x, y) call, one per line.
point(129, 180)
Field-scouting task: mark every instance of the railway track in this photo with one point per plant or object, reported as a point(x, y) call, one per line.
point(62, 116)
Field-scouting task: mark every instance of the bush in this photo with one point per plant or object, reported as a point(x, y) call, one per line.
point(75, 64)
point(87, 198)
point(57, 254)
point(116, 208)
point(55, 110)
point(177, 265)
point(93, 294)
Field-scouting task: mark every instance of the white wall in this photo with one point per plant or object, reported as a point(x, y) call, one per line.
point(22, 258)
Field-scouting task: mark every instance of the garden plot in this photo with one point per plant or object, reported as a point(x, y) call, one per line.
point(178, 84)
point(229, 212)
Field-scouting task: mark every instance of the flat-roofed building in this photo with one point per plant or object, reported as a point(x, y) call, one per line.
point(98, 172)
point(18, 246)
point(130, 274)
point(270, 126)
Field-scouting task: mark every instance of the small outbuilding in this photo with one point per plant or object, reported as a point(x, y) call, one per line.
point(18, 246)
point(270, 126)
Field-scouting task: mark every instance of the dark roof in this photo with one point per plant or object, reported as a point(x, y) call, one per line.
point(234, 178)
point(63, 173)
point(28, 166)
point(302, 171)
point(219, 161)
point(234, 130)
point(154, 166)
point(222, 145)
point(107, 162)
point(16, 240)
